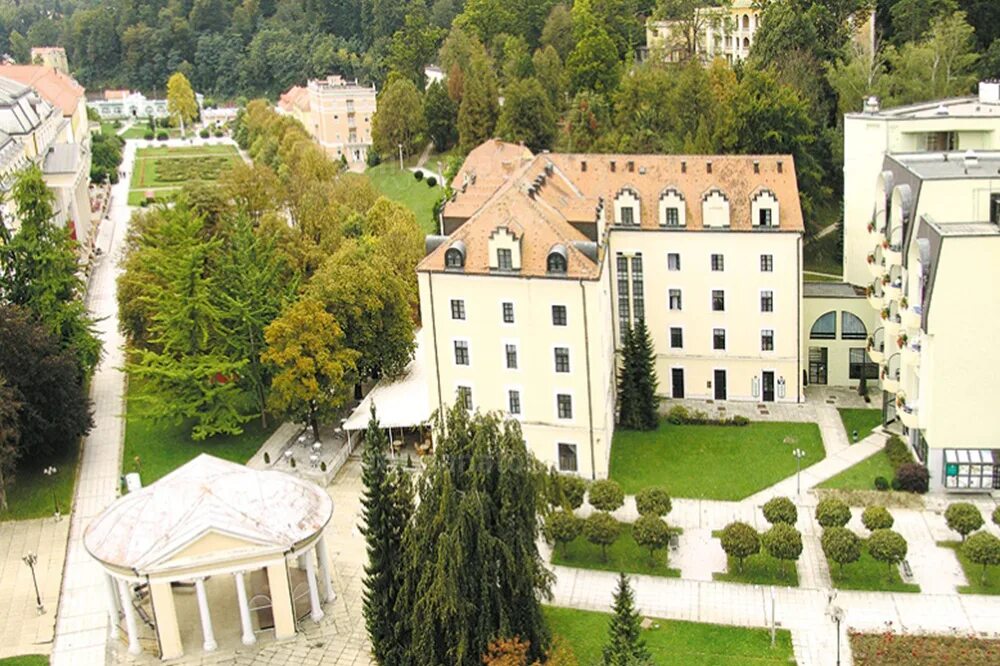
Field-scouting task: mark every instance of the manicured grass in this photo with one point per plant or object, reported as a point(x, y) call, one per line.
point(673, 642)
point(974, 572)
point(889, 649)
point(108, 127)
point(760, 569)
point(862, 420)
point(26, 660)
point(624, 555)
point(30, 495)
point(140, 129)
point(163, 446)
point(869, 574)
point(164, 170)
point(713, 462)
point(861, 476)
point(402, 187)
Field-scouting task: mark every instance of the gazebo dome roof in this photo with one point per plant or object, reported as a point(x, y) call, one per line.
point(241, 512)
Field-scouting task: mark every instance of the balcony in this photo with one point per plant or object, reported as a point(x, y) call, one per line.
point(876, 345)
point(875, 263)
point(890, 374)
point(908, 413)
point(910, 352)
point(890, 322)
point(892, 289)
point(875, 294)
point(912, 316)
point(892, 247)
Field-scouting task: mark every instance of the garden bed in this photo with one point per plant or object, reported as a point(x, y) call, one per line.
point(868, 574)
point(760, 569)
point(891, 649)
point(624, 555)
point(974, 572)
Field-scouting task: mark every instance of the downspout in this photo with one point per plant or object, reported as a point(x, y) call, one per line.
point(590, 400)
point(798, 320)
point(437, 364)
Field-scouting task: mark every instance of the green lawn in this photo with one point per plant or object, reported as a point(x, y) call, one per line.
point(713, 462)
point(26, 660)
point(30, 495)
point(108, 127)
point(624, 555)
point(861, 476)
point(820, 277)
point(673, 642)
point(760, 569)
point(163, 446)
point(862, 420)
point(974, 572)
point(140, 129)
point(402, 187)
point(869, 574)
point(164, 170)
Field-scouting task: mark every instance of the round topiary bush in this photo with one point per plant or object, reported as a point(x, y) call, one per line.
point(740, 540)
point(831, 512)
point(782, 542)
point(432, 181)
point(204, 133)
point(888, 547)
point(418, 174)
point(606, 495)
point(653, 501)
point(841, 545)
point(567, 491)
point(162, 136)
point(912, 478)
point(148, 136)
point(219, 134)
point(601, 529)
point(963, 518)
point(881, 483)
point(562, 526)
point(780, 510)
point(651, 532)
point(984, 549)
point(876, 518)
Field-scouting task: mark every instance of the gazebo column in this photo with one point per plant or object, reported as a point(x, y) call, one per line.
point(317, 611)
point(281, 600)
point(206, 617)
point(324, 570)
point(112, 605)
point(241, 596)
point(162, 596)
point(130, 624)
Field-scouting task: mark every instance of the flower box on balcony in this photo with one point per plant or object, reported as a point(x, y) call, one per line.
point(901, 341)
point(871, 258)
point(885, 280)
point(885, 313)
point(904, 303)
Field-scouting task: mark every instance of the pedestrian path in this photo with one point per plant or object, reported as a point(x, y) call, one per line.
point(82, 622)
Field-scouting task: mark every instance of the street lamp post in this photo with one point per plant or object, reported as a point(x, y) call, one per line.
point(836, 614)
point(799, 455)
point(400, 157)
point(51, 472)
point(31, 560)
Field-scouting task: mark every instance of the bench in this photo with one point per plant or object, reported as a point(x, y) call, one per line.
point(907, 571)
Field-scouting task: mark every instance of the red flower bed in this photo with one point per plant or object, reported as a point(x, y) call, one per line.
point(890, 649)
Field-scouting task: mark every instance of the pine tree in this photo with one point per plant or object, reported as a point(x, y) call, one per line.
point(477, 113)
point(386, 509)
point(628, 403)
point(625, 646)
point(637, 400)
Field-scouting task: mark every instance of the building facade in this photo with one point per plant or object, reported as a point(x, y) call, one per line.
point(548, 260)
point(133, 105)
point(337, 113)
point(50, 56)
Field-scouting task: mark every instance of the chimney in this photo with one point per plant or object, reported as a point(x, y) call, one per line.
point(872, 104)
point(756, 166)
point(708, 166)
point(583, 165)
point(989, 91)
point(684, 166)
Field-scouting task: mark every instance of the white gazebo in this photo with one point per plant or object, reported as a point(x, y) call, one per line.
point(213, 519)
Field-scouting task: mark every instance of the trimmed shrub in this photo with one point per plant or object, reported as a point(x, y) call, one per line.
point(162, 136)
point(418, 174)
point(982, 548)
point(653, 501)
point(780, 510)
point(841, 545)
point(888, 547)
point(562, 526)
point(963, 517)
point(652, 533)
point(601, 529)
point(897, 452)
point(740, 540)
point(204, 133)
point(912, 478)
point(877, 518)
point(831, 512)
point(996, 516)
point(219, 134)
point(148, 136)
point(606, 495)
point(783, 542)
point(572, 490)
point(432, 181)
point(881, 483)
point(680, 415)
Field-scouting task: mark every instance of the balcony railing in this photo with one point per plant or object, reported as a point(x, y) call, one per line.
point(890, 374)
point(876, 345)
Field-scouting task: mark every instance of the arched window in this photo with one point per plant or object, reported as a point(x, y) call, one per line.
point(746, 21)
point(556, 261)
point(825, 328)
point(851, 327)
point(454, 256)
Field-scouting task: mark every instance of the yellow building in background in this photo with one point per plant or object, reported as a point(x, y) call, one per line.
point(337, 113)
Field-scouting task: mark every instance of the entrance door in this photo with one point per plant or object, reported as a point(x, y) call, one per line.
point(767, 385)
point(817, 365)
point(720, 384)
point(677, 382)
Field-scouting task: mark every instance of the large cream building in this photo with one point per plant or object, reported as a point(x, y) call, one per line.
point(547, 260)
point(337, 113)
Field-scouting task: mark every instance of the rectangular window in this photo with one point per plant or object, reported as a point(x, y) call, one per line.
point(766, 263)
point(457, 309)
point(511, 353)
point(638, 301)
point(624, 318)
point(514, 402)
point(461, 352)
point(676, 337)
point(673, 262)
point(767, 301)
point(858, 362)
point(767, 340)
point(719, 338)
point(673, 217)
point(675, 299)
point(765, 217)
point(564, 405)
point(567, 458)
point(718, 300)
point(558, 315)
point(995, 208)
point(465, 397)
point(628, 217)
point(562, 359)
point(505, 261)
point(718, 264)
point(508, 313)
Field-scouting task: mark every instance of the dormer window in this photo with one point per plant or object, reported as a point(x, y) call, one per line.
point(504, 250)
point(556, 261)
point(504, 260)
point(454, 256)
point(715, 209)
point(627, 211)
point(764, 209)
point(673, 212)
point(627, 216)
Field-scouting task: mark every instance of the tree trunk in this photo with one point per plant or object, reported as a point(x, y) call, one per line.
point(313, 421)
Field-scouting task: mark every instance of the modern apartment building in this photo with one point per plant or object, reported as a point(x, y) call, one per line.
point(934, 245)
point(548, 259)
point(337, 113)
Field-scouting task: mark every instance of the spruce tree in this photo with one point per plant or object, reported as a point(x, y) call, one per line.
point(386, 509)
point(625, 646)
point(628, 414)
point(637, 400)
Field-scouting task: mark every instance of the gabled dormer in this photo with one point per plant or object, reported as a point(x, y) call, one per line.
point(715, 209)
point(673, 209)
point(628, 210)
point(504, 250)
point(764, 210)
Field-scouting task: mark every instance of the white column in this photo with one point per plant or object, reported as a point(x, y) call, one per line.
point(317, 612)
point(241, 595)
point(324, 570)
point(206, 617)
point(112, 605)
point(130, 625)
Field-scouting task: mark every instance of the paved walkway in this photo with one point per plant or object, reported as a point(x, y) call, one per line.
point(82, 624)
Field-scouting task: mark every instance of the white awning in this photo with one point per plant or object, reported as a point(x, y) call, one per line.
point(402, 403)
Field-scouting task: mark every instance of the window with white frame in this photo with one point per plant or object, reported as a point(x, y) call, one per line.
point(767, 340)
point(673, 211)
point(567, 458)
point(718, 263)
point(675, 299)
point(562, 359)
point(457, 308)
point(507, 309)
point(514, 401)
point(718, 300)
point(766, 263)
point(970, 468)
point(627, 208)
point(510, 353)
point(461, 352)
point(764, 209)
point(564, 406)
point(719, 338)
point(505, 261)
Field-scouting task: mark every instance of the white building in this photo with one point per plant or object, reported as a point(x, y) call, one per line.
point(133, 105)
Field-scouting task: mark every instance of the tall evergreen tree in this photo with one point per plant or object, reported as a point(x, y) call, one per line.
point(637, 400)
point(625, 646)
point(387, 506)
point(477, 113)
